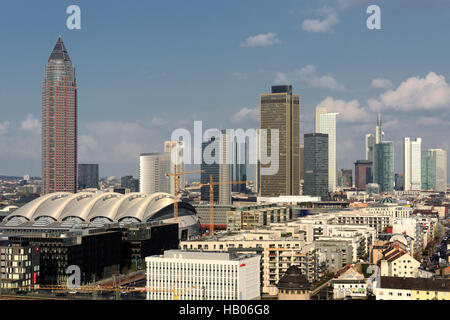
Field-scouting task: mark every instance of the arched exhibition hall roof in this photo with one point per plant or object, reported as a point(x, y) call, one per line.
point(88, 207)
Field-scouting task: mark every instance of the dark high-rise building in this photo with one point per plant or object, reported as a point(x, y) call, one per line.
point(346, 178)
point(239, 166)
point(209, 169)
point(363, 174)
point(87, 176)
point(130, 183)
point(59, 123)
point(384, 166)
point(428, 170)
point(399, 182)
point(316, 165)
point(280, 110)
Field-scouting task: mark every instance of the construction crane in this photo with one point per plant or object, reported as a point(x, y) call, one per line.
point(211, 185)
point(175, 176)
point(177, 293)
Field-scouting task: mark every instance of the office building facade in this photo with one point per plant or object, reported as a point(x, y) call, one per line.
point(280, 110)
point(440, 157)
point(176, 149)
point(316, 165)
point(327, 125)
point(153, 168)
point(370, 146)
point(239, 166)
point(203, 276)
point(363, 174)
point(87, 176)
point(412, 155)
point(384, 166)
point(59, 123)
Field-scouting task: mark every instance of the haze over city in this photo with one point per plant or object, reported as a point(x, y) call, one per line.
point(144, 69)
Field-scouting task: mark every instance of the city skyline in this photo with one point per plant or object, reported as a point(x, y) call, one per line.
point(316, 80)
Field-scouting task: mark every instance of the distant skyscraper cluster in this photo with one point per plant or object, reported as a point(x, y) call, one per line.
point(314, 163)
point(422, 170)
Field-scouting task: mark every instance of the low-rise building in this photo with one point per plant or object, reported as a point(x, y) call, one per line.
point(188, 275)
point(349, 283)
point(398, 263)
point(399, 288)
point(19, 261)
point(278, 252)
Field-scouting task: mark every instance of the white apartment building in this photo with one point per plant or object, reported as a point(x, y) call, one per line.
point(440, 157)
point(359, 217)
point(176, 149)
point(152, 173)
point(393, 211)
point(278, 252)
point(187, 275)
point(326, 123)
point(411, 227)
point(412, 155)
point(399, 263)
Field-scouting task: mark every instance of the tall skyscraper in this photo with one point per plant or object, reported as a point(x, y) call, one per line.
point(399, 182)
point(239, 166)
point(257, 161)
point(434, 170)
point(346, 178)
point(384, 166)
point(428, 170)
point(316, 165)
point(363, 174)
point(209, 169)
point(280, 110)
point(225, 169)
point(128, 182)
point(302, 161)
point(153, 168)
point(177, 148)
point(412, 167)
point(379, 134)
point(218, 166)
point(327, 125)
point(87, 176)
point(317, 112)
point(59, 123)
point(370, 146)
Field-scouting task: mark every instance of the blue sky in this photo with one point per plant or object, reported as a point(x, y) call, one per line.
point(145, 68)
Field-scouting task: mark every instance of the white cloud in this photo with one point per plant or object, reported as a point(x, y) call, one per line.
point(4, 126)
point(31, 124)
point(281, 78)
point(309, 75)
point(158, 121)
point(431, 92)
point(433, 121)
point(246, 114)
point(349, 111)
point(261, 40)
point(117, 142)
point(325, 25)
point(380, 83)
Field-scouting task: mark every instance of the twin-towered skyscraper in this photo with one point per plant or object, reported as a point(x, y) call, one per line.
point(59, 123)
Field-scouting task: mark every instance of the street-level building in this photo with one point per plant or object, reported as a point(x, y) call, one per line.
point(399, 288)
point(202, 276)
